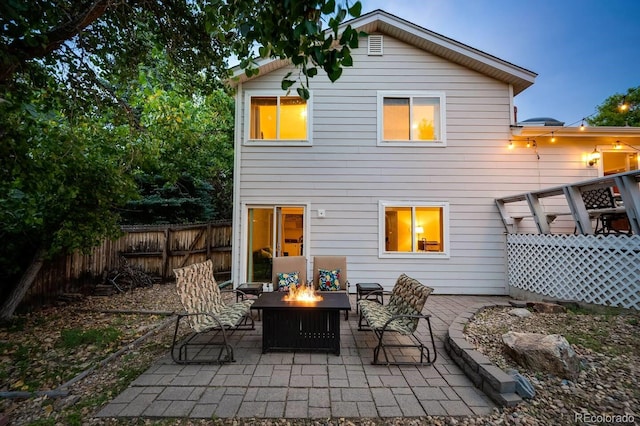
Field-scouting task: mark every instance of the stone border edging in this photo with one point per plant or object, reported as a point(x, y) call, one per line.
point(494, 382)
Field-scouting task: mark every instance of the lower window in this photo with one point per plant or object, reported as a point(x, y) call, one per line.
point(410, 228)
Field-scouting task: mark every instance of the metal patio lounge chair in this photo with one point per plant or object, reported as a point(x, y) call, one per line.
point(210, 319)
point(401, 315)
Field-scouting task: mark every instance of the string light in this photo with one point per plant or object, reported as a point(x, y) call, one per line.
point(624, 105)
point(620, 144)
point(530, 143)
point(593, 157)
point(552, 132)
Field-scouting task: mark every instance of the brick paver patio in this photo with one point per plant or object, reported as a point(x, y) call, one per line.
point(310, 385)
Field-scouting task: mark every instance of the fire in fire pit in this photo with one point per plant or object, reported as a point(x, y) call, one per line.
point(304, 293)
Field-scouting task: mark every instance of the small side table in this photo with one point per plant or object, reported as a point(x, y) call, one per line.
point(254, 289)
point(363, 290)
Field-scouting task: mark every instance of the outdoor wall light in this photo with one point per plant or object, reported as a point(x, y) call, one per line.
point(594, 157)
point(516, 130)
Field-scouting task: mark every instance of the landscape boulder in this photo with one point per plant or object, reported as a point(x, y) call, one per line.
point(520, 312)
point(548, 308)
point(540, 352)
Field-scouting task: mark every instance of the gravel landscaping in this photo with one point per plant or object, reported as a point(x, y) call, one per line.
point(39, 353)
point(608, 345)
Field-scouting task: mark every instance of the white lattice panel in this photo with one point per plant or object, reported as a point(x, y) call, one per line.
point(604, 270)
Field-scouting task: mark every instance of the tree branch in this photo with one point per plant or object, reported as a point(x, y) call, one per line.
point(19, 51)
point(104, 85)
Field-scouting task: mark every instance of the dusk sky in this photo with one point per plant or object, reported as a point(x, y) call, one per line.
point(583, 51)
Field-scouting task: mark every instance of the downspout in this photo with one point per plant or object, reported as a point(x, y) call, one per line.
point(516, 129)
point(236, 244)
point(513, 110)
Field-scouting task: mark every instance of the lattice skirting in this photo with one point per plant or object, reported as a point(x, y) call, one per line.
point(603, 270)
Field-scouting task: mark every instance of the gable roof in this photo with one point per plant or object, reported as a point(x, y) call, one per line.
point(380, 21)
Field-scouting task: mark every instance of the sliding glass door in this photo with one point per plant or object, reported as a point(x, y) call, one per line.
point(272, 231)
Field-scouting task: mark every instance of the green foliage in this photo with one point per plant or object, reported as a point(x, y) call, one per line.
point(93, 48)
point(184, 201)
point(15, 325)
point(74, 419)
point(619, 110)
point(43, 422)
point(293, 30)
point(67, 174)
point(186, 174)
point(105, 38)
point(97, 97)
point(58, 171)
point(101, 337)
point(21, 362)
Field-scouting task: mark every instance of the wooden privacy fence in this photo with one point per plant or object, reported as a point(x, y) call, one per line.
point(155, 249)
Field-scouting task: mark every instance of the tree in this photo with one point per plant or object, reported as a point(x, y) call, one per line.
point(190, 133)
point(59, 182)
point(619, 110)
point(91, 37)
point(72, 133)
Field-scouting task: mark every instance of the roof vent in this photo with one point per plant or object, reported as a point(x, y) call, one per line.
point(375, 45)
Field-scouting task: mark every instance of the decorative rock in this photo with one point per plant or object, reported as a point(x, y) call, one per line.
point(520, 312)
point(524, 388)
point(548, 308)
point(569, 304)
point(539, 352)
point(518, 303)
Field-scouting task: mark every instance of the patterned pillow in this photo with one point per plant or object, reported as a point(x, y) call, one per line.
point(329, 280)
point(286, 279)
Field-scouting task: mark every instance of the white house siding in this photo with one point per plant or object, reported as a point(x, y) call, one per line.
point(345, 173)
point(562, 162)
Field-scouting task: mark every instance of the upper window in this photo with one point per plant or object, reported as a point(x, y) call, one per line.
point(411, 117)
point(277, 118)
point(408, 228)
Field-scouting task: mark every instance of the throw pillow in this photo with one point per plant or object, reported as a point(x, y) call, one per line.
point(287, 279)
point(329, 280)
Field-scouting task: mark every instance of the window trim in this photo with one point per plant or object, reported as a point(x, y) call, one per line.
point(442, 142)
point(248, 94)
point(445, 254)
